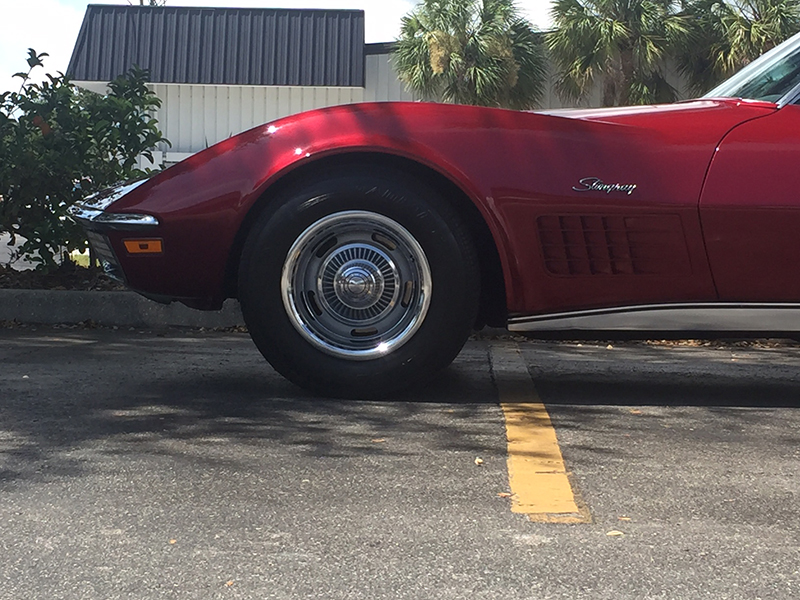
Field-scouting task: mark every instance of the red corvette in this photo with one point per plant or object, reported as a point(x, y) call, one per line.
point(364, 242)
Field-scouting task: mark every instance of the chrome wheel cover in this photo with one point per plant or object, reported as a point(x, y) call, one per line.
point(356, 285)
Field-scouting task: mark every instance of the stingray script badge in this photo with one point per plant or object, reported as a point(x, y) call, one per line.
point(595, 184)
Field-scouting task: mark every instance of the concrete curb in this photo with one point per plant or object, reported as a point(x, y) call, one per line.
point(122, 309)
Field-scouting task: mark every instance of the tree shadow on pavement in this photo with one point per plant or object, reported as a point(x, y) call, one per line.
point(187, 393)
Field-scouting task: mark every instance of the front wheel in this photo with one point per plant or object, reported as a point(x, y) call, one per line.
point(359, 285)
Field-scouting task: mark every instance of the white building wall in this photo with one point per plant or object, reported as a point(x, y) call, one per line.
point(381, 82)
point(193, 117)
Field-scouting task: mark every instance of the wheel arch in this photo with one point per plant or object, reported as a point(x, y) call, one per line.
point(493, 303)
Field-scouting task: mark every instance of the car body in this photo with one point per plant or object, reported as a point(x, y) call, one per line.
point(361, 236)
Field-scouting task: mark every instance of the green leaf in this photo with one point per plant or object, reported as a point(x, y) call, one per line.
point(35, 60)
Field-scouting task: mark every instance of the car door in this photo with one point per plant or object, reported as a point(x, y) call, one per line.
point(750, 210)
point(605, 211)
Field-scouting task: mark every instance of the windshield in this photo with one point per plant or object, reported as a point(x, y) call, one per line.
point(770, 78)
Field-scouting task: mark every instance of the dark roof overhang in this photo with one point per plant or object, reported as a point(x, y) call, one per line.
point(224, 46)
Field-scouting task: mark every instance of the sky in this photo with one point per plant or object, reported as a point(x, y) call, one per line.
point(52, 25)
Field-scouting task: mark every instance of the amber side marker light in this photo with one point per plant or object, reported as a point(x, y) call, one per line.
point(144, 246)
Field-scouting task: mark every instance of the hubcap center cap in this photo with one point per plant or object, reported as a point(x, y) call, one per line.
point(358, 284)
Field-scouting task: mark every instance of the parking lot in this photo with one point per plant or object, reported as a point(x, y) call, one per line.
point(178, 464)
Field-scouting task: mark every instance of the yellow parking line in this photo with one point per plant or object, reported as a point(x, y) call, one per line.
point(540, 486)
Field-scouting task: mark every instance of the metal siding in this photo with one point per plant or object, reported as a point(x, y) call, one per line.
point(382, 83)
point(370, 72)
point(245, 57)
point(233, 46)
point(281, 56)
point(306, 74)
point(237, 121)
point(343, 67)
point(213, 125)
point(193, 117)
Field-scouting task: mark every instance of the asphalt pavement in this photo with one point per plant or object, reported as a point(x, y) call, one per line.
point(177, 464)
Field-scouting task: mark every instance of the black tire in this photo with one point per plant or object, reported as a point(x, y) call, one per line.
point(335, 291)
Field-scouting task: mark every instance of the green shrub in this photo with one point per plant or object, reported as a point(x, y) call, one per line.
point(59, 143)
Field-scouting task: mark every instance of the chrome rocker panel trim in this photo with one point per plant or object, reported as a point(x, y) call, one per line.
point(706, 317)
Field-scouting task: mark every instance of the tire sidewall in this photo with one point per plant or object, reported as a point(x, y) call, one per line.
point(434, 225)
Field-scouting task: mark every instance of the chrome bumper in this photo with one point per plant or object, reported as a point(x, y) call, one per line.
point(93, 216)
point(92, 212)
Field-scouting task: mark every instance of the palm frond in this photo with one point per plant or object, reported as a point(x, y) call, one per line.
point(624, 43)
point(473, 52)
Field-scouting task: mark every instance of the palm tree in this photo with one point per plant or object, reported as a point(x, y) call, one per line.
point(728, 34)
point(479, 52)
point(621, 43)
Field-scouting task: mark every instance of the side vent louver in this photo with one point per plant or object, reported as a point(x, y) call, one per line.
point(579, 245)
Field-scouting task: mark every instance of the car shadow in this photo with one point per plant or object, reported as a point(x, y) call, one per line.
point(700, 393)
point(756, 375)
point(70, 397)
